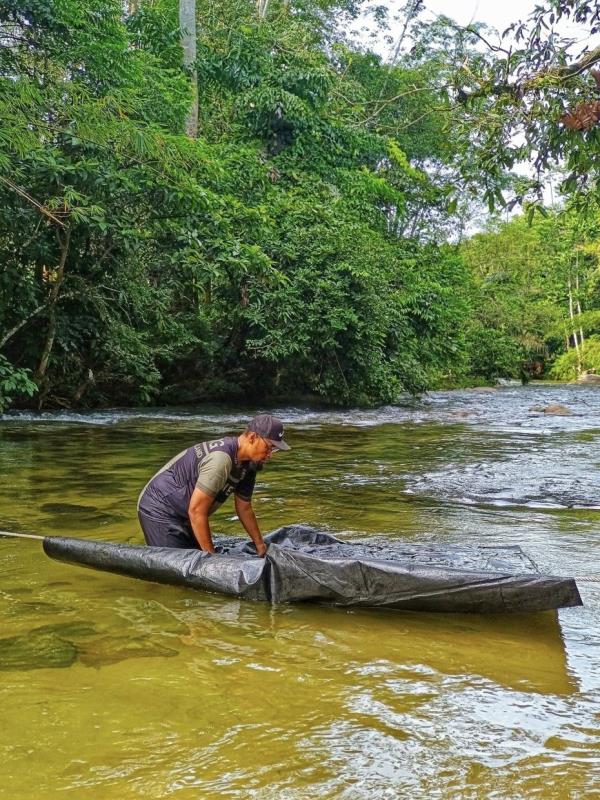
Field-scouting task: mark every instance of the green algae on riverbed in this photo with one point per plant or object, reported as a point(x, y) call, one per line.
point(59, 646)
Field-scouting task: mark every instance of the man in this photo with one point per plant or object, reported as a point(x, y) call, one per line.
point(175, 505)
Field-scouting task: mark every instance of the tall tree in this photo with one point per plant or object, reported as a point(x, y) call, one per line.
point(530, 97)
point(187, 21)
point(272, 255)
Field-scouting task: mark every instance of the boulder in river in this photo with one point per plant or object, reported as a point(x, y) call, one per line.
point(589, 378)
point(61, 645)
point(36, 650)
point(104, 650)
point(554, 408)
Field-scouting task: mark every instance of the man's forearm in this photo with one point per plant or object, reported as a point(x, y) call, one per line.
point(201, 529)
point(248, 519)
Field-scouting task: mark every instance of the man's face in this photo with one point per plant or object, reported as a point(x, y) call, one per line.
point(259, 450)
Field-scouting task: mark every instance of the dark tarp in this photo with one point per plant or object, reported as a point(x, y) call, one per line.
point(305, 564)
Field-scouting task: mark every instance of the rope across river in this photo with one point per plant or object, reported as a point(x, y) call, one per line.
point(22, 535)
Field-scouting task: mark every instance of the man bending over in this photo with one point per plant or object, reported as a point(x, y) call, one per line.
point(175, 505)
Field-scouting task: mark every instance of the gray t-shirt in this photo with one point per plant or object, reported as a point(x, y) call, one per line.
point(211, 467)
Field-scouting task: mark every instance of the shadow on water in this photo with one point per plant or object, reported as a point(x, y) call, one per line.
point(134, 619)
point(523, 652)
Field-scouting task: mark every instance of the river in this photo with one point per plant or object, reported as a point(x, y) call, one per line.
point(113, 688)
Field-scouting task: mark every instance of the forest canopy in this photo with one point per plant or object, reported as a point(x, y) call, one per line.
point(248, 203)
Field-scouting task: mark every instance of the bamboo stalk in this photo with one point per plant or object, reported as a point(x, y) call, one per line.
point(22, 193)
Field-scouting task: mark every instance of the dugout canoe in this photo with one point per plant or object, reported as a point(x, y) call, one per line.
point(304, 564)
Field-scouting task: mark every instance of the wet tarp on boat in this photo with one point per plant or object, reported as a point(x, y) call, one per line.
point(305, 564)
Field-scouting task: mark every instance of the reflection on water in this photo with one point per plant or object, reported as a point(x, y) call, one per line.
point(114, 688)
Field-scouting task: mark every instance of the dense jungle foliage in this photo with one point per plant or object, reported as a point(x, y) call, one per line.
point(538, 289)
point(304, 242)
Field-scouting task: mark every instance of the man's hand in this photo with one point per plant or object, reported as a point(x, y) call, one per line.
point(247, 517)
point(261, 549)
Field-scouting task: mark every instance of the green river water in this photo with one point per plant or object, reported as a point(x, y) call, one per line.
point(115, 688)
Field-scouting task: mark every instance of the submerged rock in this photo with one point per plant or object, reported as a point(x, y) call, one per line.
point(508, 382)
point(74, 515)
point(36, 650)
point(59, 646)
point(33, 607)
point(68, 630)
point(590, 378)
point(553, 408)
point(67, 508)
point(106, 650)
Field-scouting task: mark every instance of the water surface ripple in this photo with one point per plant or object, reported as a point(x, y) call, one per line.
point(113, 688)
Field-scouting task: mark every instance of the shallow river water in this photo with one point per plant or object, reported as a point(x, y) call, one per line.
point(113, 688)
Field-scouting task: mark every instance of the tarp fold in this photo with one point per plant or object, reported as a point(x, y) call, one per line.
point(304, 564)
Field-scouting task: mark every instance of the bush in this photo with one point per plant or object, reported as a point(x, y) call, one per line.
point(565, 366)
point(14, 381)
point(492, 353)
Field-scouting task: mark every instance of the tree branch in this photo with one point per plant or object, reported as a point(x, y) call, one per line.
point(9, 335)
point(532, 82)
point(22, 193)
point(475, 32)
point(571, 70)
point(21, 324)
point(391, 100)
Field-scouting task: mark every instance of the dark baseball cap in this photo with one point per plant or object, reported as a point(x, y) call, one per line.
point(270, 428)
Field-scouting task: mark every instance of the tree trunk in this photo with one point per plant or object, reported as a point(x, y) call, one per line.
point(262, 6)
point(84, 386)
point(575, 338)
point(187, 23)
point(9, 335)
point(63, 241)
point(581, 339)
point(411, 10)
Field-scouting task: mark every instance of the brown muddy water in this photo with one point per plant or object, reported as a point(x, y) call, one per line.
point(113, 688)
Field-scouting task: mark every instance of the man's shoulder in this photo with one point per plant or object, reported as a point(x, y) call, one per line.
point(215, 452)
point(219, 457)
